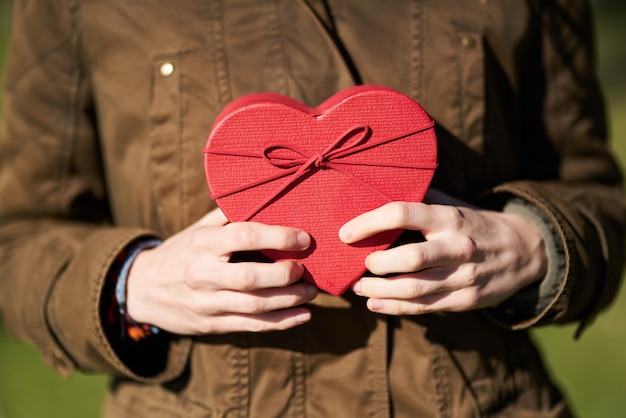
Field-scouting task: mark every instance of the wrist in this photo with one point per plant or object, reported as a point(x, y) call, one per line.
point(139, 286)
point(129, 326)
point(531, 239)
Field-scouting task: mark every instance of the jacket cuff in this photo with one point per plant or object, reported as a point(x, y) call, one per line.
point(530, 305)
point(31, 323)
point(74, 316)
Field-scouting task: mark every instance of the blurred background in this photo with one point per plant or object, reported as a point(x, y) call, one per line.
point(591, 371)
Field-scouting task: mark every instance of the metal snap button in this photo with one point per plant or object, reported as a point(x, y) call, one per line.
point(468, 42)
point(167, 69)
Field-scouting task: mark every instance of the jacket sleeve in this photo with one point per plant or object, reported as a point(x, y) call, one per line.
point(583, 206)
point(57, 240)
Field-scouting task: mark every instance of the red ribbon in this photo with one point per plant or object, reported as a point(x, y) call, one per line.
point(297, 164)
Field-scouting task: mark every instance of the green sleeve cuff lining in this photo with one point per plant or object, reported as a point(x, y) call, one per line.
point(529, 304)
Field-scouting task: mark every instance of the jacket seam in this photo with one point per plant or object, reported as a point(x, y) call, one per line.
point(277, 50)
point(299, 374)
point(459, 89)
point(11, 87)
point(72, 122)
point(442, 384)
point(417, 47)
point(181, 154)
point(242, 366)
point(378, 369)
point(220, 58)
point(48, 314)
point(597, 292)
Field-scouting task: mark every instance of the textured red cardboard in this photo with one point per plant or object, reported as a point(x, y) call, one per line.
point(274, 160)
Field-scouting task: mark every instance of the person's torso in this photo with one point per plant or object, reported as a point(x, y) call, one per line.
point(161, 72)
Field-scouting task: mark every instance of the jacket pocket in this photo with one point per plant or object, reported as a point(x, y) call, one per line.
point(130, 399)
point(183, 104)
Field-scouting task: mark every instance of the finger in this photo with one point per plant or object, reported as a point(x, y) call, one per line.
point(271, 321)
point(261, 301)
point(453, 301)
point(410, 286)
point(418, 256)
point(394, 215)
point(247, 276)
point(251, 236)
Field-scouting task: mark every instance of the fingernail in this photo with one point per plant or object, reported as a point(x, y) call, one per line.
point(304, 240)
point(311, 291)
point(356, 288)
point(297, 269)
point(303, 317)
point(375, 304)
point(345, 232)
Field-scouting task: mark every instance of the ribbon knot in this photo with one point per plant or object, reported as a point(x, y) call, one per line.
point(318, 160)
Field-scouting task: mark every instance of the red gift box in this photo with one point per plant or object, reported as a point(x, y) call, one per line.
point(274, 160)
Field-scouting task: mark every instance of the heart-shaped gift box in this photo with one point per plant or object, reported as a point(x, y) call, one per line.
point(274, 160)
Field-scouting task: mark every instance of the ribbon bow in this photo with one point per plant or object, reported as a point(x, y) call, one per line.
point(297, 164)
point(338, 149)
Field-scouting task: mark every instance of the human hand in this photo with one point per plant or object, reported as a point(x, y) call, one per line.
point(472, 258)
point(187, 285)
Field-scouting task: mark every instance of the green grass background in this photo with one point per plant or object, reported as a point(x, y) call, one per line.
point(592, 371)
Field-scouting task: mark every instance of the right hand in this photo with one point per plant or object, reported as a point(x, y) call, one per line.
point(187, 285)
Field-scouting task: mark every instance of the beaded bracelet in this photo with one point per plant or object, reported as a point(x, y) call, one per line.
point(128, 326)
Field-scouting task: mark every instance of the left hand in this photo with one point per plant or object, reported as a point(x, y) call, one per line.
point(472, 258)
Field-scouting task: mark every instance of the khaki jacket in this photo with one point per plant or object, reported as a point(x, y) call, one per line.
point(100, 146)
